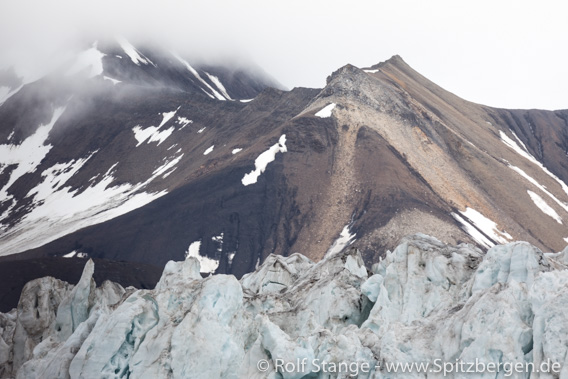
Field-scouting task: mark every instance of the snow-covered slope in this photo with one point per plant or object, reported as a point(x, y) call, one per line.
point(63, 168)
point(426, 302)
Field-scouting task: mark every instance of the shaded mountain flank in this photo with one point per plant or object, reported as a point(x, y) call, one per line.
point(167, 155)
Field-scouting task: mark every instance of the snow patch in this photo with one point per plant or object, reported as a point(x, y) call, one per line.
point(135, 56)
point(473, 232)
point(153, 133)
point(183, 121)
point(263, 160)
point(544, 207)
point(114, 81)
point(345, 239)
point(71, 254)
point(487, 226)
point(539, 186)
point(56, 176)
point(58, 210)
point(76, 253)
point(326, 111)
point(230, 258)
point(513, 145)
point(219, 240)
point(169, 173)
point(217, 95)
point(28, 155)
point(207, 264)
point(167, 116)
point(89, 61)
point(237, 150)
point(520, 142)
point(193, 249)
point(525, 154)
point(219, 85)
point(166, 166)
point(201, 130)
point(210, 149)
point(371, 71)
point(246, 100)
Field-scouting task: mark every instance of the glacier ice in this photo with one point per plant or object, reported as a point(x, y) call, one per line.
point(422, 302)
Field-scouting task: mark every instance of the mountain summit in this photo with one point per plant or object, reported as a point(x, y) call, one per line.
point(152, 158)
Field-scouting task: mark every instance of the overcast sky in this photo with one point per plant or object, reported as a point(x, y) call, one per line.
point(510, 54)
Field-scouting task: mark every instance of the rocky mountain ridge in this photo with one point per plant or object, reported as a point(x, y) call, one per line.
point(143, 162)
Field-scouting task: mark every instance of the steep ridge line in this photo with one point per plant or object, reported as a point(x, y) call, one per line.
point(371, 151)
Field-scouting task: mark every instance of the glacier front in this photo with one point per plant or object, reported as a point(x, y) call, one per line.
point(425, 303)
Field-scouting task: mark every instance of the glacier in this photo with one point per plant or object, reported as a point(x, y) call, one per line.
point(426, 301)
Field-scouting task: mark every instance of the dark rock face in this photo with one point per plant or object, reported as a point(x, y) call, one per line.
point(14, 274)
point(139, 170)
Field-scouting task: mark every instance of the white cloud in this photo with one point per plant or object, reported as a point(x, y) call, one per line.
point(505, 53)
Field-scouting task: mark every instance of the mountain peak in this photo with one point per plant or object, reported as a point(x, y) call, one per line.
point(347, 70)
point(378, 153)
point(395, 60)
point(353, 73)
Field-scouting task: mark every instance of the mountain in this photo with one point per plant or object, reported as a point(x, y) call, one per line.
point(136, 154)
point(453, 310)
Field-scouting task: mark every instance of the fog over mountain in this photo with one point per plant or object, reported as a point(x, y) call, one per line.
point(212, 189)
point(505, 54)
point(133, 152)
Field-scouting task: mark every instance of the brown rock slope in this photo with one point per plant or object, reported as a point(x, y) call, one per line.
point(411, 155)
point(377, 154)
